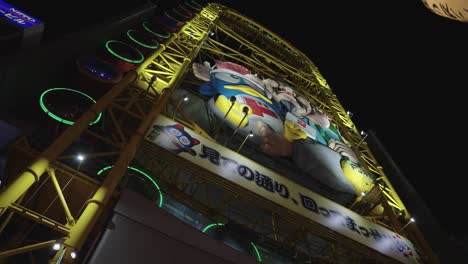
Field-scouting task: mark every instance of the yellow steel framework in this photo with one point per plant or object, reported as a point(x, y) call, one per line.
point(129, 109)
point(125, 104)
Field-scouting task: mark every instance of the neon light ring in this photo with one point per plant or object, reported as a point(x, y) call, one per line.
point(78, 106)
point(125, 56)
point(156, 30)
point(145, 42)
point(141, 173)
point(208, 227)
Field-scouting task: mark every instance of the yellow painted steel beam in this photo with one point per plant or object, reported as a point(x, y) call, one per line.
point(28, 248)
point(34, 171)
point(167, 60)
point(70, 219)
point(264, 30)
point(39, 218)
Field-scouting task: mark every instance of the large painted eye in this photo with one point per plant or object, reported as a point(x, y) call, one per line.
point(175, 132)
point(185, 141)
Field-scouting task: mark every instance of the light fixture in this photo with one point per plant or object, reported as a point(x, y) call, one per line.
point(245, 140)
point(210, 226)
point(349, 113)
point(411, 220)
point(56, 246)
point(139, 57)
point(80, 157)
point(363, 194)
point(184, 99)
point(153, 45)
point(73, 254)
point(363, 133)
point(44, 107)
point(259, 257)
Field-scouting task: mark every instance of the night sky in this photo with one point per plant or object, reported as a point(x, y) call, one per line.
point(401, 70)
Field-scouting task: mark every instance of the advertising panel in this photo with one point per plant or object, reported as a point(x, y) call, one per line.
point(232, 166)
point(283, 124)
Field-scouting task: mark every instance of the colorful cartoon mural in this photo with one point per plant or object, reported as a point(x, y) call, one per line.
point(240, 97)
point(285, 124)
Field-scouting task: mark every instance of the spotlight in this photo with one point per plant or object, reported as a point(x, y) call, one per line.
point(245, 140)
point(185, 99)
point(411, 220)
point(56, 246)
point(73, 254)
point(363, 133)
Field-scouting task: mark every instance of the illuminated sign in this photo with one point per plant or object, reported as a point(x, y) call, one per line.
point(254, 177)
point(16, 16)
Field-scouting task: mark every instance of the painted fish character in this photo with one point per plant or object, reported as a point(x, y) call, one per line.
point(242, 101)
point(173, 138)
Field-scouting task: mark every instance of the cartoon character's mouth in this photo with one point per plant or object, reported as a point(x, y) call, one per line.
point(176, 145)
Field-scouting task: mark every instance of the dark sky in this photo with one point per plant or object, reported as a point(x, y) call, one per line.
point(401, 70)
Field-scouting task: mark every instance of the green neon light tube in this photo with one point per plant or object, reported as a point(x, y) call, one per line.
point(259, 257)
point(54, 116)
point(139, 42)
point(122, 57)
point(256, 251)
point(142, 173)
point(157, 34)
point(210, 226)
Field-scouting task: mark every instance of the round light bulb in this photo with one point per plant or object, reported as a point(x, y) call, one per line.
point(56, 246)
